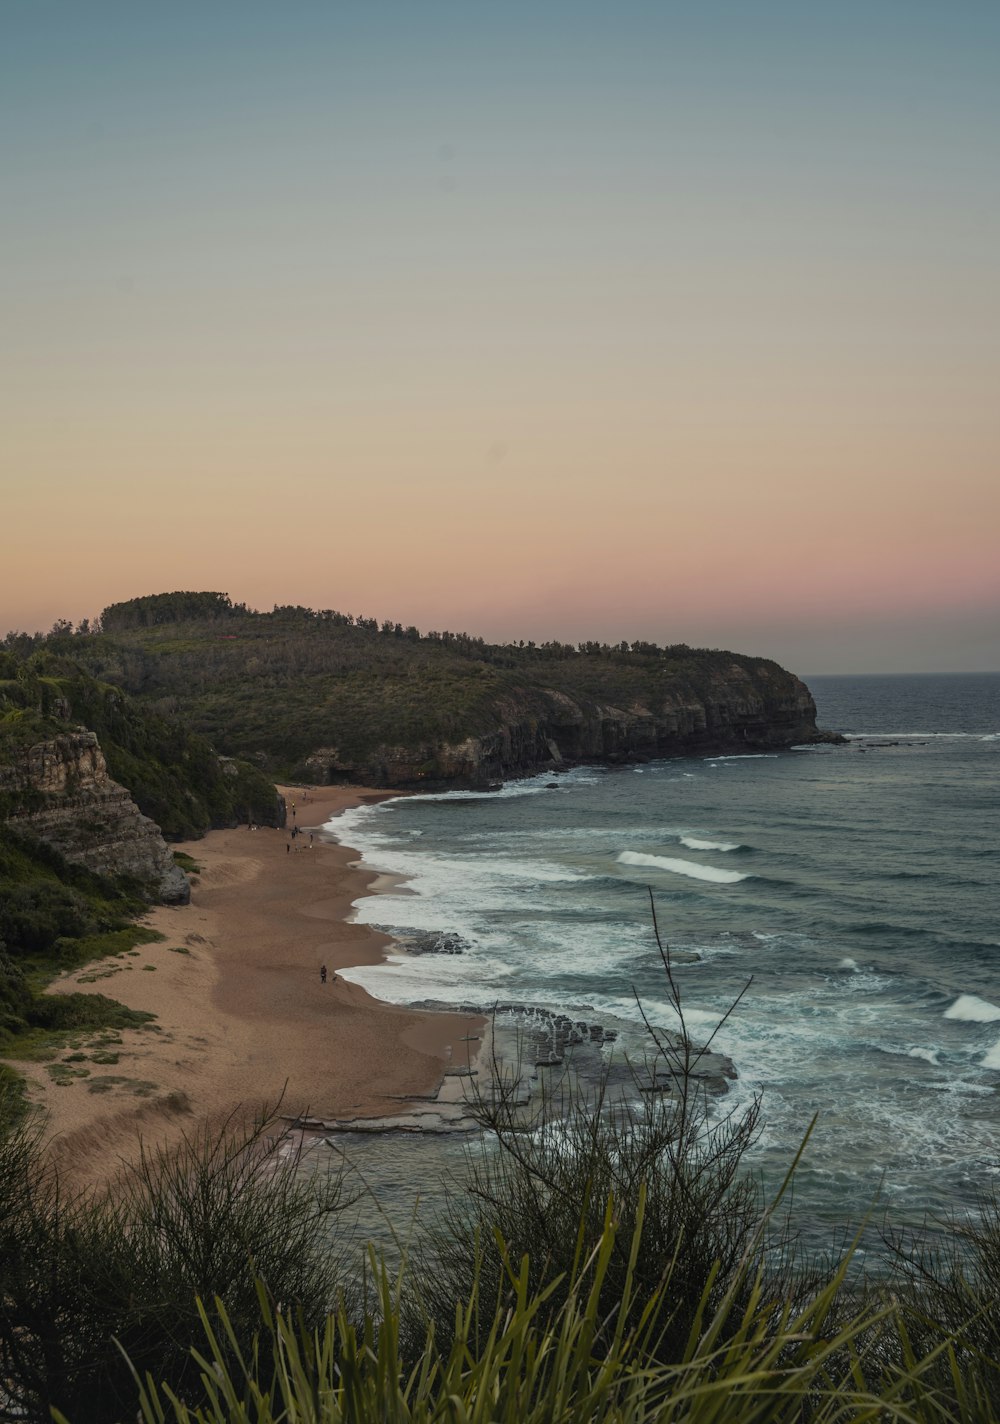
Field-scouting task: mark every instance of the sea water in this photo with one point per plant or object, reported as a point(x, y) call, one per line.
point(854, 890)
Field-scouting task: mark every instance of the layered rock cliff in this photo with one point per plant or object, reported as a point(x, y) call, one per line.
point(64, 796)
point(542, 729)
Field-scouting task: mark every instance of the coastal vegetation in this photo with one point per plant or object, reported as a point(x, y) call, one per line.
point(600, 1273)
point(600, 1260)
point(56, 916)
point(95, 1286)
point(277, 687)
point(174, 775)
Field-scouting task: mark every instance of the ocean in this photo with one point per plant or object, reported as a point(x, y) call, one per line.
point(854, 890)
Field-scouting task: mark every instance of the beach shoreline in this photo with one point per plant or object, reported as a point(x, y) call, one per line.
point(244, 1020)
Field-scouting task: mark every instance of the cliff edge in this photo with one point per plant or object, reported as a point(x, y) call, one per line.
point(62, 795)
point(762, 708)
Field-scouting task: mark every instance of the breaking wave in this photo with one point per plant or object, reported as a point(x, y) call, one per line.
point(971, 1009)
point(684, 867)
point(693, 843)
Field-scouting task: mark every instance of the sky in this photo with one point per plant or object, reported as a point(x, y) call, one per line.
point(636, 320)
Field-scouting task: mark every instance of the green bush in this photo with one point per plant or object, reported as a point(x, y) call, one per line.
point(33, 917)
point(87, 1276)
point(63, 1013)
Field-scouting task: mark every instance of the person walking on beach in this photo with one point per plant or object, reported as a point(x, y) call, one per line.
point(322, 974)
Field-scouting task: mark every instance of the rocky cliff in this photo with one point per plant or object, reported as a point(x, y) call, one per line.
point(760, 708)
point(65, 797)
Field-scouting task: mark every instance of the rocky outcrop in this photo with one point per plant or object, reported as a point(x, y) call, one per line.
point(758, 710)
point(69, 801)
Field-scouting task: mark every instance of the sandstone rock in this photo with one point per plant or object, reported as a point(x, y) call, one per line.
point(77, 808)
point(547, 730)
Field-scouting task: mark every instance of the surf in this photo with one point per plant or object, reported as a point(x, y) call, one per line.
point(681, 867)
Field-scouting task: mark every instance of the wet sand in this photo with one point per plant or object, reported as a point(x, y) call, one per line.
point(242, 1017)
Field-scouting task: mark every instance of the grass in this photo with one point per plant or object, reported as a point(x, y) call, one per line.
point(72, 953)
point(72, 1015)
point(13, 1097)
point(510, 1361)
point(89, 1275)
point(140, 1087)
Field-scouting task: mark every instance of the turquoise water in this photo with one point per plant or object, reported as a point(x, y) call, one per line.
point(855, 888)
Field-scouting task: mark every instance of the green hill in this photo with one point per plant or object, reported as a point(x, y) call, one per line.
point(329, 696)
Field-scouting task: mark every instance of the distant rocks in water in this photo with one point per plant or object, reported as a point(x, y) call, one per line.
point(876, 746)
point(427, 941)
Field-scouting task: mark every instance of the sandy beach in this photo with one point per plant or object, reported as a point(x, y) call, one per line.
point(242, 1017)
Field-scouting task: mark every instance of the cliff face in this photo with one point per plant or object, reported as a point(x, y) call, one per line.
point(549, 730)
point(70, 802)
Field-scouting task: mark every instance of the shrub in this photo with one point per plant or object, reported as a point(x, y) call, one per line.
point(33, 917)
point(65, 1012)
point(541, 1177)
point(216, 1218)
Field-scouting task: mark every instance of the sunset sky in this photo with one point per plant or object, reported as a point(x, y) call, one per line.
point(575, 320)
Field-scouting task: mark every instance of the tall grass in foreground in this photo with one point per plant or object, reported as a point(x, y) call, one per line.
point(757, 1362)
point(542, 1174)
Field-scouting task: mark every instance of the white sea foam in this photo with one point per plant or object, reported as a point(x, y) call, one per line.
point(507, 792)
point(682, 867)
point(971, 1009)
point(529, 941)
point(926, 1055)
point(963, 1088)
point(745, 756)
point(403, 979)
point(528, 786)
point(905, 736)
point(929, 1055)
point(525, 872)
point(693, 843)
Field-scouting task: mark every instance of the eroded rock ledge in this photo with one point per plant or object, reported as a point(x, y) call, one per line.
point(70, 802)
